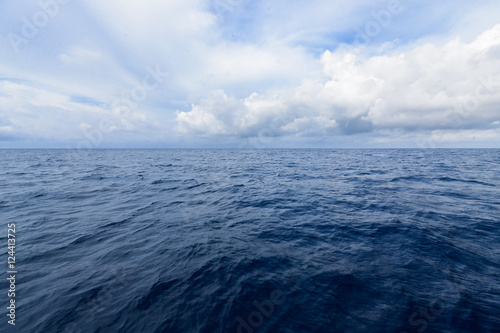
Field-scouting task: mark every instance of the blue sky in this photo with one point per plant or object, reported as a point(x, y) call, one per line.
point(255, 74)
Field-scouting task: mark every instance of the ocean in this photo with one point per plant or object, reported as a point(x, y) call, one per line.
point(292, 240)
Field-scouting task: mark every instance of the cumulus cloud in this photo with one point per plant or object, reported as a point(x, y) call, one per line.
point(429, 87)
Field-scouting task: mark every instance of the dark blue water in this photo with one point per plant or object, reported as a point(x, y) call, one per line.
point(253, 240)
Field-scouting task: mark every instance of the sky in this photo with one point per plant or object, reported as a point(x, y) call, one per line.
point(249, 74)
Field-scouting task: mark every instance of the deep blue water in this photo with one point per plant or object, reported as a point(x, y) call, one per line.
point(253, 240)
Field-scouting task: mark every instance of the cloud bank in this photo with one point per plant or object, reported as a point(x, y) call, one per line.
point(429, 87)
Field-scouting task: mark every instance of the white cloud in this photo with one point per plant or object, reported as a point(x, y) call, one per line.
point(80, 55)
point(35, 113)
point(428, 87)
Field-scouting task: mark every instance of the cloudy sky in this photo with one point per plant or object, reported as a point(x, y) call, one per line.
point(249, 73)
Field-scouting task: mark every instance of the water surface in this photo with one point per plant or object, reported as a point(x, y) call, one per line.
point(254, 240)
